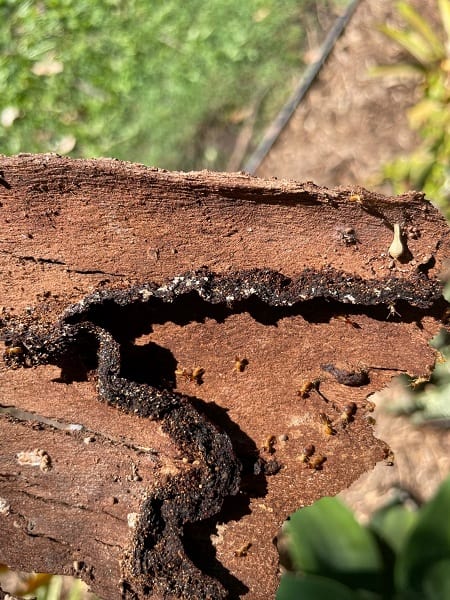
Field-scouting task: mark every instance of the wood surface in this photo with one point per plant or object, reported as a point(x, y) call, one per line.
point(120, 466)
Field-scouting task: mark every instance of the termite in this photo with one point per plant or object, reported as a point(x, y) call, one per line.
point(418, 382)
point(269, 444)
point(13, 351)
point(307, 452)
point(389, 458)
point(355, 198)
point(327, 426)
point(347, 413)
point(307, 387)
point(243, 550)
point(347, 320)
point(392, 311)
point(316, 462)
point(348, 236)
point(240, 364)
point(13, 356)
point(195, 374)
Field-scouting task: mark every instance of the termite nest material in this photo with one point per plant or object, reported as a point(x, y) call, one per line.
point(272, 467)
point(351, 378)
point(268, 468)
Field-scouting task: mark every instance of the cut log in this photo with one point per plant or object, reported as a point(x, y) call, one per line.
point(173, 342)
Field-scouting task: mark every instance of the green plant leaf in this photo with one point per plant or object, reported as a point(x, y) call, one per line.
point(444, 8)
point(400, 70)
point(427, 544)
point(325, 539)
point(436, 581)
point(420, 113)
point(422, 28)
point(446, 293)
point(312, 587)
point(393, 524)
point(411, 42)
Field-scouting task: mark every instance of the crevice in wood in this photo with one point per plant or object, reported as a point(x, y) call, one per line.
point(54, 261)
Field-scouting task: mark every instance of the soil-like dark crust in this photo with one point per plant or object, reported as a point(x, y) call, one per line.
point(91, 329)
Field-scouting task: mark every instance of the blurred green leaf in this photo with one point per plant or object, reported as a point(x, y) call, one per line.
point(326, 539)
point(446, 293)
point(436, 581)
point(427, 168)
point(410, 41)
point(422, 28)
point(77, 590)
point(402, 70)
point(310, 587)
point(427, 544)
point(154, 82)
point(444, 9)
point(393, 523)
point(421, 112)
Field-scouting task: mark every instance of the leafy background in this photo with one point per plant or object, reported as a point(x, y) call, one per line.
point(163, 83)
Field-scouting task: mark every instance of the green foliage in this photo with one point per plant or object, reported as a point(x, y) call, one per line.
point(42, 586)
point(139, 80)
point(403, 553)
point(428, 47)
point(428, 402)
point(53, 590)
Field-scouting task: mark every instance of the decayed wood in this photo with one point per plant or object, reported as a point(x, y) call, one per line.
point(304, 289)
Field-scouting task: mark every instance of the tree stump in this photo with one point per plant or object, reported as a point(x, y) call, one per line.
point(188, 358)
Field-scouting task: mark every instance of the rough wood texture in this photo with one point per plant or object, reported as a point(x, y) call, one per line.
point(117, 281)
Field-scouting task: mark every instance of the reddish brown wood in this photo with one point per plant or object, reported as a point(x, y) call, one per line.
point(70, 227)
